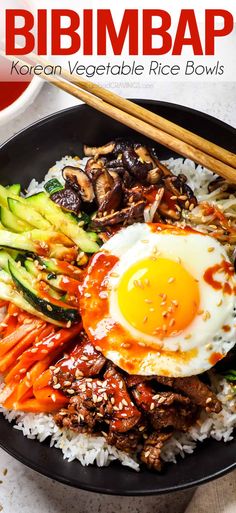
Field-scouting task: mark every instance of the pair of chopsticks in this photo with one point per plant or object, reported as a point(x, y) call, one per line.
point(153, 126)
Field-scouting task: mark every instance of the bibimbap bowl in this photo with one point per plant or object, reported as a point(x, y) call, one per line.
point(48, 142)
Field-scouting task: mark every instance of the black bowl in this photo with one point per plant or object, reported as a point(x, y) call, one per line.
point(29, 154)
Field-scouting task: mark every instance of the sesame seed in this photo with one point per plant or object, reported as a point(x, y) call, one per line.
point(141, 344)
point(98, 348)
point(54, 379)
point(146, 454)
point(112, 400)
point(171, 279)
point(187, 337)
point(163, 303)
point(209, 347)
point(121, 385)
point(183, 197)
point(147, 282)
point(125, 345)
point(144, 241)
point(219, 303)
point(173, 197)
point(57, 336)
point(68, 325)
point(114, 275)
point(151, 309)
point(57, 386)
point(191, 207)
point(174, 302)
point(57, 370)
point(171, 323)
point(104, 434)
point(34, 350)
point(124, 402)
point(211, 249)
point(145, 319)
point(164, 314)
point(141, 428)
point(148, 301)
point(67, 383)
point(152, 406)
point(44, 351)
point(206, 315)
point(70, 391)
point(187, 204)
point(94, 397)
point(105, 397)
point(120, 406)
point(53, 397)
point(49, 308)
point(87, 294)
point(209, 400)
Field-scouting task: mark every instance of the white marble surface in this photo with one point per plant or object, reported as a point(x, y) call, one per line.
point(23, 490)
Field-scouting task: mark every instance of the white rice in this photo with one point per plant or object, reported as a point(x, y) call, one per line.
point(95, 450)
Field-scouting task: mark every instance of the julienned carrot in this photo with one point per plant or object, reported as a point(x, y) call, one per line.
point(49, 397)
point(35, 406)
point(49, 345)
point(11, 326)
point(11, 340)
point(10, 357)
point(30, 377)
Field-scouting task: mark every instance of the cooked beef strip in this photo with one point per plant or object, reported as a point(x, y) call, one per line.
point(83, 360)
point(151, 453)
point(127, 442)
point(97, 401)
point(198, 392)
point(165, 409)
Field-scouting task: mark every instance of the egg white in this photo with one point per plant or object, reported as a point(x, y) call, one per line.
point(207, 336)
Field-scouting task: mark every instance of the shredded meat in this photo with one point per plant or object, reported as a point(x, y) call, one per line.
point(198, 392)
point(151, 453)
point(165, 409)
point(97, 401)
point(127, 442)
point(83, 361)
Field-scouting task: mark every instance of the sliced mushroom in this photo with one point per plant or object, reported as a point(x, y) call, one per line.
point(126, 216)
point(154, 175)
point(112, 200)
point(93, 168)
point(102, 185)
point(90, 151)
point(144, 155)
point(68, 199)
point(79, 180)
point(133, 164)
point(181, 192)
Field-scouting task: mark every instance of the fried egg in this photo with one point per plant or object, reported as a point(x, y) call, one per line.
point(159, 299)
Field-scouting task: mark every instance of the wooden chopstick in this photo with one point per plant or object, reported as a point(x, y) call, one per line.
point(147, 116)
point(156, 134)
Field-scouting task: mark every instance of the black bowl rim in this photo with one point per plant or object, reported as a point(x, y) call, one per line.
point(42, 469)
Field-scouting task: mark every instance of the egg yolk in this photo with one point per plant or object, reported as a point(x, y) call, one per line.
point(158, 297)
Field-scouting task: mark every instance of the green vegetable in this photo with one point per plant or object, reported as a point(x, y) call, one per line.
point(28, 214)
point(12, 222)
point(15, 188)
point(53, 186)
point(64, 222)
point(230, 375)
point(58, 311)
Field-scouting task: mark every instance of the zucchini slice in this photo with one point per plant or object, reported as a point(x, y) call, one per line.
point(12, 223)
point(28, 214)
point(62, 221)
point(9, 293)
point(52, 244)
point(15, 188)
point(53, 186)
point(54, 309)
point(55, 266)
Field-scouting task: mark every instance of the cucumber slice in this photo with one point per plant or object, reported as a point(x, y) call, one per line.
point(15, 188)
point(54, 244)
point(9, 293)
point(62, 221)
point(53, 186)
point(12, 223)
point(54, 309)
point(28, 214)
point(55, 266)
point(33, 270)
